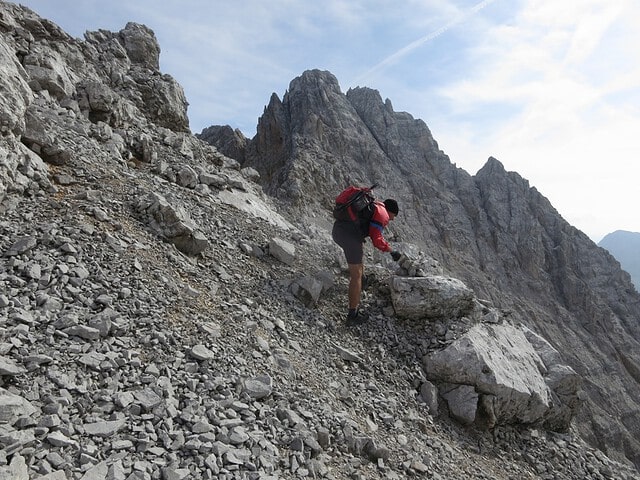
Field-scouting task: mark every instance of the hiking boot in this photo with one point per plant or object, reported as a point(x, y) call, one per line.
point(358, 319)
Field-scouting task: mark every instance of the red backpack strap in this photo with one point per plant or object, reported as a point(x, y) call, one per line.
point(343, 210)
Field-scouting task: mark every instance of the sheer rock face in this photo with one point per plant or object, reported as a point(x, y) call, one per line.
point(16, 93)
point(493, 231)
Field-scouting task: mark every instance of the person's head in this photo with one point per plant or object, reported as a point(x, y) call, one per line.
point(392, 207)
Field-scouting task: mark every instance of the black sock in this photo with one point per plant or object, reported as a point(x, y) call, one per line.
point(352, 312)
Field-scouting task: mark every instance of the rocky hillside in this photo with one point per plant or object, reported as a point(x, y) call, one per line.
point(625, 246)
point(492, 230)
point(162, 317)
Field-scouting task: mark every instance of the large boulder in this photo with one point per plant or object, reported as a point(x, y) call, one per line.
point(13, 407)
point(162, 100)
point(39, 138)
point(172, 223)
point(434, 296)
point(141, 45)
point(516, 375)
point(48, 71)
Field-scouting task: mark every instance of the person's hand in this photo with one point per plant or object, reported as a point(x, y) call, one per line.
point(396, 256)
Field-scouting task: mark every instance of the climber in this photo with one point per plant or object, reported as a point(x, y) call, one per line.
point(350, 236)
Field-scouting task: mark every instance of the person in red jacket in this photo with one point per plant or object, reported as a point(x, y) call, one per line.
point(351, 237)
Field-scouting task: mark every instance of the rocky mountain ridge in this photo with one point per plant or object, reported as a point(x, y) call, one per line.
point(163, 318)
point(492, 230)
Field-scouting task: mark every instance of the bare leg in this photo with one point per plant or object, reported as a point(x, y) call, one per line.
point(355, 284)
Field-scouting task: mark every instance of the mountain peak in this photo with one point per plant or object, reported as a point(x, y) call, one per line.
point(311, 80)
point(494, 165)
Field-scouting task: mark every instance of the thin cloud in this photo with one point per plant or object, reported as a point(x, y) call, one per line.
point(571, 131)
point(395, 57)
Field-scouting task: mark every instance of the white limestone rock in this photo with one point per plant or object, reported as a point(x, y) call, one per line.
point(430, 297)
point(282, 250)
point(500, 363)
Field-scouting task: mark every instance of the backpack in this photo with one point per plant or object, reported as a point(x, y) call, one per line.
point(354, 204)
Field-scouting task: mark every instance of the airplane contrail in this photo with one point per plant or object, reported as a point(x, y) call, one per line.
point(417, 43)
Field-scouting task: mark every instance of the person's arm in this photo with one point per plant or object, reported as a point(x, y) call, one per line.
point(375, 232)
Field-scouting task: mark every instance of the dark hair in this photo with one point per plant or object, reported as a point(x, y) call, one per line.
point(391, 206)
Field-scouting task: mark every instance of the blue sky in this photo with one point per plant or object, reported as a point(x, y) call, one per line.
point(549, 88)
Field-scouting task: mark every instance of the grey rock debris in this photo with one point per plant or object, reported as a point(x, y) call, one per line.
point(128, 354)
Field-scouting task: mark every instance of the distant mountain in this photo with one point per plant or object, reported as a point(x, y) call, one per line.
point(625, 246)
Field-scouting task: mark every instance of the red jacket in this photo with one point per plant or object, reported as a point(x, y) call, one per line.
point(379, 220)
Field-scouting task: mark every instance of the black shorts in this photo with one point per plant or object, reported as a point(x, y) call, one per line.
point(348, 235)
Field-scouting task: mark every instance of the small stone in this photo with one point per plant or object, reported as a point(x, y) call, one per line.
point(147, 398)
point(282, 250)
point(419, 467)
point(238, 435)
point(200, 352)
point(55, 459)
point(101, 323)
point(59, 439)
point(83, 331)
point(297, 445)
point(38, 359)
point(258, 387)
point(9, 367)
point(21, 246)
point(347, 354)
point(100, 214)
point(92, 359)
point(49, 421)
point(80, 272)
point(211, 328)
point(175, 473)
point(68, 248)
point(104, 300)
point(4, 301)
point(121, 445)
point(17, 469)
point(34, 271)
point(323, 437)
point(232, 458)
point(104, 429)
point(13, 407)
point(116, 471)
point(201, 427)
point(97, 472)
